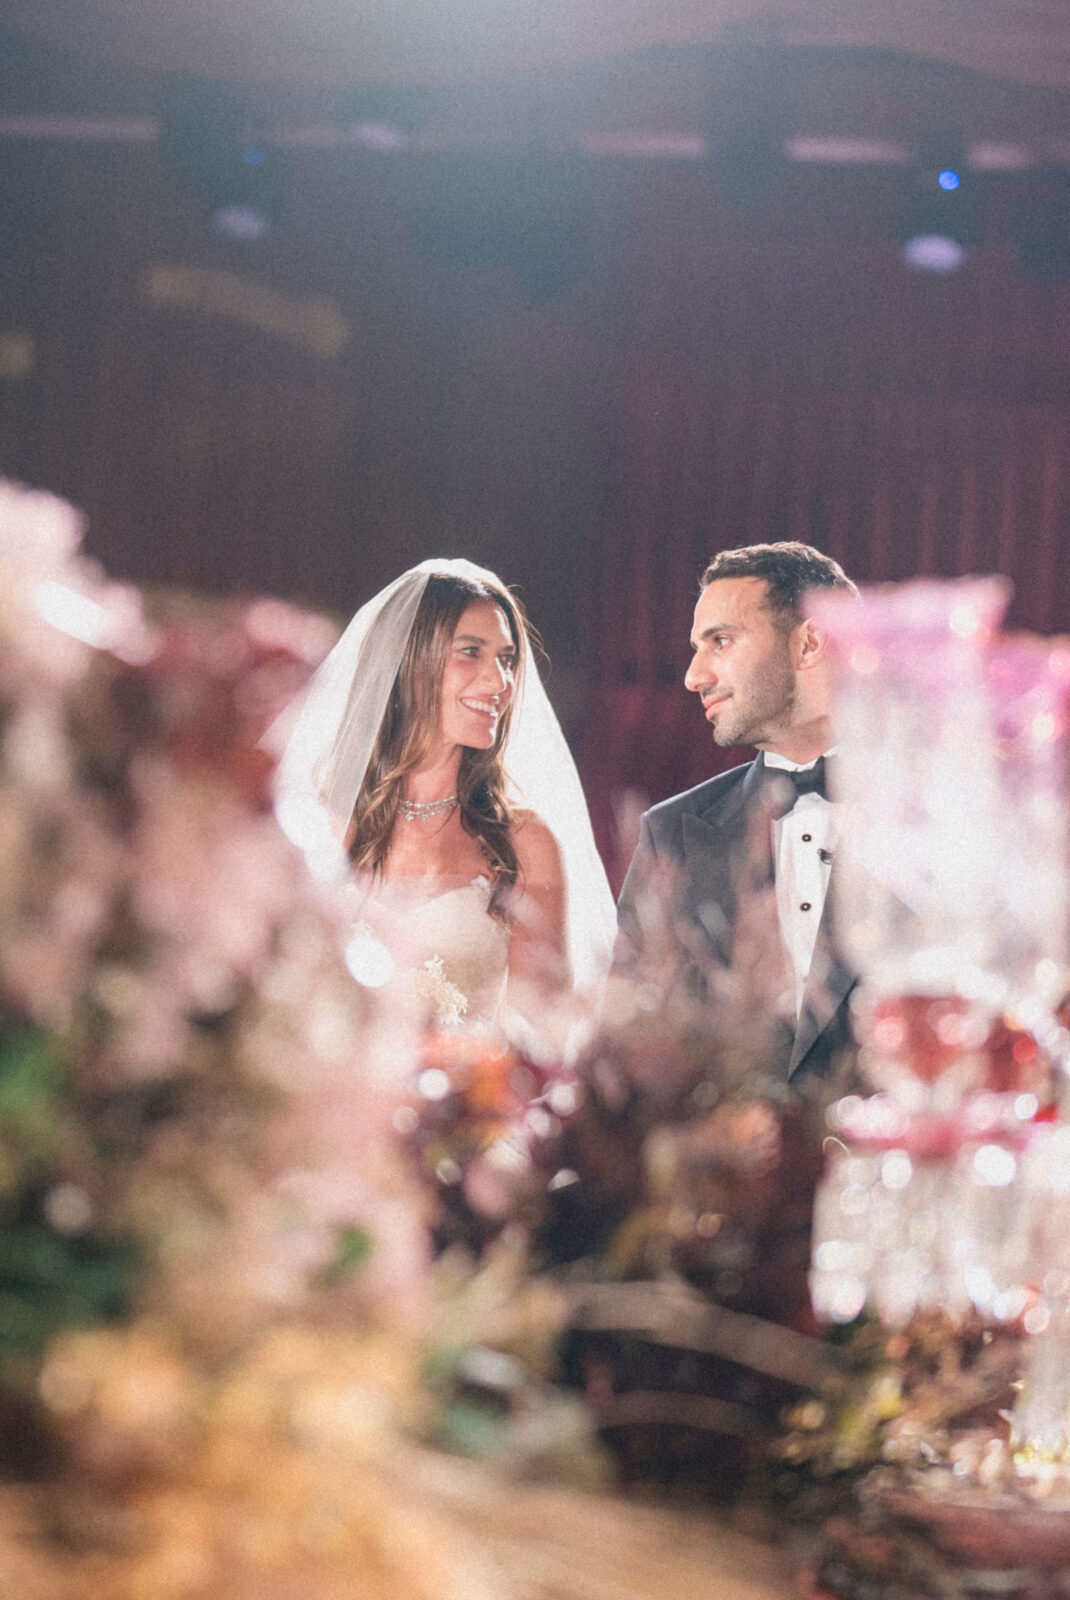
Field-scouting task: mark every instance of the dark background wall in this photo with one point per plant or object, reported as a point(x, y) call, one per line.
point(666, 364)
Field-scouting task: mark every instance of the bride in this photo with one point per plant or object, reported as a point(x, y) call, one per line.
point(428, 743)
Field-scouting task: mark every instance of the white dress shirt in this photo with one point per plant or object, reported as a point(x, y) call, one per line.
point(804, 840)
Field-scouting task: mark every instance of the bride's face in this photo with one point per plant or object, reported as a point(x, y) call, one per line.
point(477, 683)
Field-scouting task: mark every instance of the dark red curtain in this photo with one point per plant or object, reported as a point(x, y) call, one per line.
point(788, 376)
point(706, 378)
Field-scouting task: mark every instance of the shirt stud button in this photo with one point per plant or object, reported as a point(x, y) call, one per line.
point(807, 837)
point(805, 906)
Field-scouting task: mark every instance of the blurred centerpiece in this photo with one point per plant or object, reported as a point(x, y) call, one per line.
point(951, 901)
point(214, 1260)
point(233, 1310)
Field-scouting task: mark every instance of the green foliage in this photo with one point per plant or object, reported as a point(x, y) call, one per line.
point(32, 1081)
point(49, 1280)
point(48, 1283)
point(353, 1249)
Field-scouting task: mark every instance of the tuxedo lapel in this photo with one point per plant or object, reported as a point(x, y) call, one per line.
point(710, 893)
point(827, 987)
point(717, 853)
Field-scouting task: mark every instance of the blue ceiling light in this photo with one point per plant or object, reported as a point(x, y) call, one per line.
point(206, 150)
point(939, 221)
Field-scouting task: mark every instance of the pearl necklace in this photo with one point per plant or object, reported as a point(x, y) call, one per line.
point(417, 811)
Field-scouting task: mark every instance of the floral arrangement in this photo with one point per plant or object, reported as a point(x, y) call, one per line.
point(215, 1261)
point(223, 1330)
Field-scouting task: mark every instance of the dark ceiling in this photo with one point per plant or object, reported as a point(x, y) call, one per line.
point(420, 41)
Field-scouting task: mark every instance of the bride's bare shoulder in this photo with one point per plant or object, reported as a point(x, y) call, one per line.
point(537, 849)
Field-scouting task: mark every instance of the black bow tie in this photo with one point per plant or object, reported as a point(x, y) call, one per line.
point(791, 783)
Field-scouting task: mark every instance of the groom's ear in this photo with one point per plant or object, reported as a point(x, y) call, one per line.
point(809, 645)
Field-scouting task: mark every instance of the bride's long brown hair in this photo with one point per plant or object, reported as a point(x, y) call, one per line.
point(409, 728)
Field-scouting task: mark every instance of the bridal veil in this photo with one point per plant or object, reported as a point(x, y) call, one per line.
point(327, 740)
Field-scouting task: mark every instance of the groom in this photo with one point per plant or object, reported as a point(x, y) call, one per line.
point(761, 669)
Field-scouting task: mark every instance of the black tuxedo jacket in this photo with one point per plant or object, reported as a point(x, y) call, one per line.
point(701, 837)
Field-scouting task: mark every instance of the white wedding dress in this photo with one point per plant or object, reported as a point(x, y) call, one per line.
point(440, 959)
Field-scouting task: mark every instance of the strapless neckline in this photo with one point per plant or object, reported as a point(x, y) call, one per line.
point(449, 957)
point(440, 882)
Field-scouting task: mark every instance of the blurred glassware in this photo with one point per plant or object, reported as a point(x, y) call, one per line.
point(952, 900)
point(918, 872)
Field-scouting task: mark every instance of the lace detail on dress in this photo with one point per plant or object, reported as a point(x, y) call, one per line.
point(445, 1002)
point(446, 956)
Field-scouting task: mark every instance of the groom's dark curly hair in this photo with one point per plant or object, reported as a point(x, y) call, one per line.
point(788, 570)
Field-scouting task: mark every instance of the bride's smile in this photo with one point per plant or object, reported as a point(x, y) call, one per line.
point(477, 683)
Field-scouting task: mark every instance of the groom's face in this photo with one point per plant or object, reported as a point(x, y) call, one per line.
point(742, 666)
